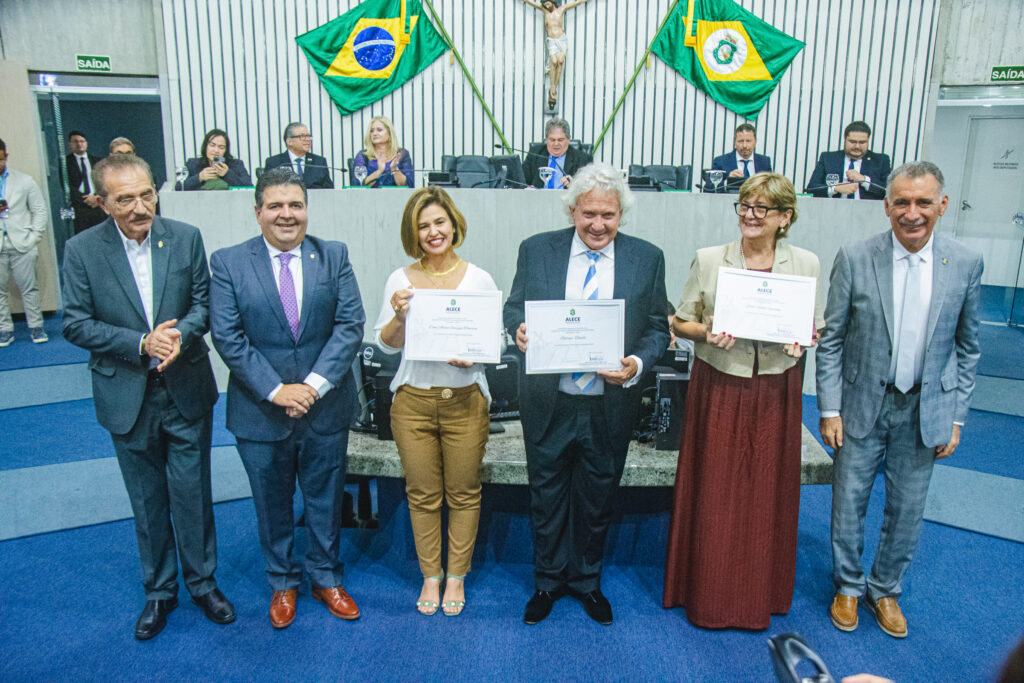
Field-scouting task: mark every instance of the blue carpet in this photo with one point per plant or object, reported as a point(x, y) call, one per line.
point(24, 354)
point(961, 599)
point(67, 432)
point(990, 442)
point(1002, 351)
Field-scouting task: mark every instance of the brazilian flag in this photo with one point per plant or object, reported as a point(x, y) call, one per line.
point(371, 50)
point(726, 51)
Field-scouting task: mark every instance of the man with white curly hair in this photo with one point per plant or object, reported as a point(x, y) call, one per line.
point(577, 426)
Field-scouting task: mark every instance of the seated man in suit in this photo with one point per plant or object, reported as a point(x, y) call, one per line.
point(862, 173)
point(577, 426)
point(136, 292)
point(563, 159)
point(287, 320)
point(121, 145)
point(84, 200)
point(742, 162)
point(315, 173)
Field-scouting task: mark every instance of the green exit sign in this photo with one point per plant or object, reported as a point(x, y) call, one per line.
point(92, 63)
point(1008, 73)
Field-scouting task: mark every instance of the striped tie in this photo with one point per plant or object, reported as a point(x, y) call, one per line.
point(585, 380)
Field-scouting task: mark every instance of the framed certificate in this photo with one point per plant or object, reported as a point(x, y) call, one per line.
point(443, 324)
point(574, 336)
point(768, 307)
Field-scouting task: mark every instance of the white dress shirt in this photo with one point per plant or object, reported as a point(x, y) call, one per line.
point(919, 309)
point(320, 384)
point(140, 260)
point(750, 163)
point(579, 264)
point(292, 158)
point(866, 183)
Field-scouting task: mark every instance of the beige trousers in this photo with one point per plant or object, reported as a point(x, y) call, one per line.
point(441, 435)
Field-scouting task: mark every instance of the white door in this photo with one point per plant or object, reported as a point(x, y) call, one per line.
point(990, 216)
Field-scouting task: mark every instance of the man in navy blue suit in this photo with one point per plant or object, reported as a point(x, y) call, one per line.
point(287, 319)
point(742, 162)
point(316, 175)
point(862, 173)
point(577, 426)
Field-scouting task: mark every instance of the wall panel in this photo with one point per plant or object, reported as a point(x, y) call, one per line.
point(234, 64)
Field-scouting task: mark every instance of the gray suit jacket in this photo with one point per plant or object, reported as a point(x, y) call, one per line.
point(855, 350)
point(103, 313)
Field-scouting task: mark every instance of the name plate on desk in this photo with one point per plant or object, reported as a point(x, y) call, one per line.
point(443, 324)
point(574, 336)
point(769, 307)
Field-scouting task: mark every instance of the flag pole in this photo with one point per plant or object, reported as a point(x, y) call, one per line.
point(472, 83)
point(629, 86)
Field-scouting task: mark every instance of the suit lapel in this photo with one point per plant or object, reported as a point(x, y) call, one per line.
point(310, 270)
point(117, 259)
point(882, 259)
point(556, 265)
point(160, 248)
point(264, 273)
point(625, 269)
point(940, 280)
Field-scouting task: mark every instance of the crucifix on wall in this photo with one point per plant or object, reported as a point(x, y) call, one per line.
point(557, 42)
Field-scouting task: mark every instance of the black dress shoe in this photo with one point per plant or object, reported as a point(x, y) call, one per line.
point(539, 606)
point(154, 617)
point(217, 608)
point(596, 606)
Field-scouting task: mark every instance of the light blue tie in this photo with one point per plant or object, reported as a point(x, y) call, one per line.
point(553, 163)
point(585, 380)
point(298, 165)
point(906, 358)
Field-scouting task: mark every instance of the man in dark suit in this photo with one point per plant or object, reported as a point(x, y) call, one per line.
point(84, 200)
point(577, 426)
point(742, 162)
point(313, 168)
point(287, 320)
point(862, 173)
point(557, 154)
point(136, 291)
point(895, 371)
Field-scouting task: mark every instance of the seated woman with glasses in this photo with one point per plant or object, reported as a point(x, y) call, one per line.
point(215, 168)
point(382, 163)
point(732, 540)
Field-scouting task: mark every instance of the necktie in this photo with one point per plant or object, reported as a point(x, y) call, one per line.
point(554, 166)
point(288, 300)
point(854, 194)
point(585, 380)
point(746, 168)
point(906, 359)
point(86, 188)
point(298, 165)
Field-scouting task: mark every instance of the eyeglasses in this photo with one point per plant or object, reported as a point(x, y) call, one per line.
point(301, 137)
point(759, 211)
point(148, 198)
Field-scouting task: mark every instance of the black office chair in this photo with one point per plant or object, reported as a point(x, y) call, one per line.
point(684, 177)
point(664, 176)
point(789, 650)
point(473, 170)
point(445, 176)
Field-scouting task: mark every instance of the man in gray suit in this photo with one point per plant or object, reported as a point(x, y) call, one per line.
point(895, 372)
point(136, 291)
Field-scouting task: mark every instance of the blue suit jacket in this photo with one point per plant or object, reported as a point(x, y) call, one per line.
point(874, 165)
point(315, 172)
point(103, 313)
point(251, 333)
point(727, 163)
point(855, 350)
point(639, 279)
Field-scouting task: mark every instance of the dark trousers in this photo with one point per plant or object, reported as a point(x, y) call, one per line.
point(574, 471)
point(165, 463)
point(317, 461)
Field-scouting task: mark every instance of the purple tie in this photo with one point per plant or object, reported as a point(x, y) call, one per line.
point(288, 300)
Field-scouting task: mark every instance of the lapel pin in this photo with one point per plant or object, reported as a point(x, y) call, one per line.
point(160, 244)
point(312, 256)
point(945, 261)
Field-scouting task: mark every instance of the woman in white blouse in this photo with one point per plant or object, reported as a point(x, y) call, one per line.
point(439, 416)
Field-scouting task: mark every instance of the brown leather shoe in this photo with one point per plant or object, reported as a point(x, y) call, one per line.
point(844, 612)
point(339, 603)
point(282, 608)
point(889, 617)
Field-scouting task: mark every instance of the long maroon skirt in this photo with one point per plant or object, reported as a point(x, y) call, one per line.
point(732, 541)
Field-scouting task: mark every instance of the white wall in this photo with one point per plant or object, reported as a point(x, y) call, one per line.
point(981, 35)
point(235, 65)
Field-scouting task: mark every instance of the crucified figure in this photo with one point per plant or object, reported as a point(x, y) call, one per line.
point(557, 41)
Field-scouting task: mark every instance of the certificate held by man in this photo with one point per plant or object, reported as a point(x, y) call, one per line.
point(442, 325)
point(769, 307)
point(574, 336)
